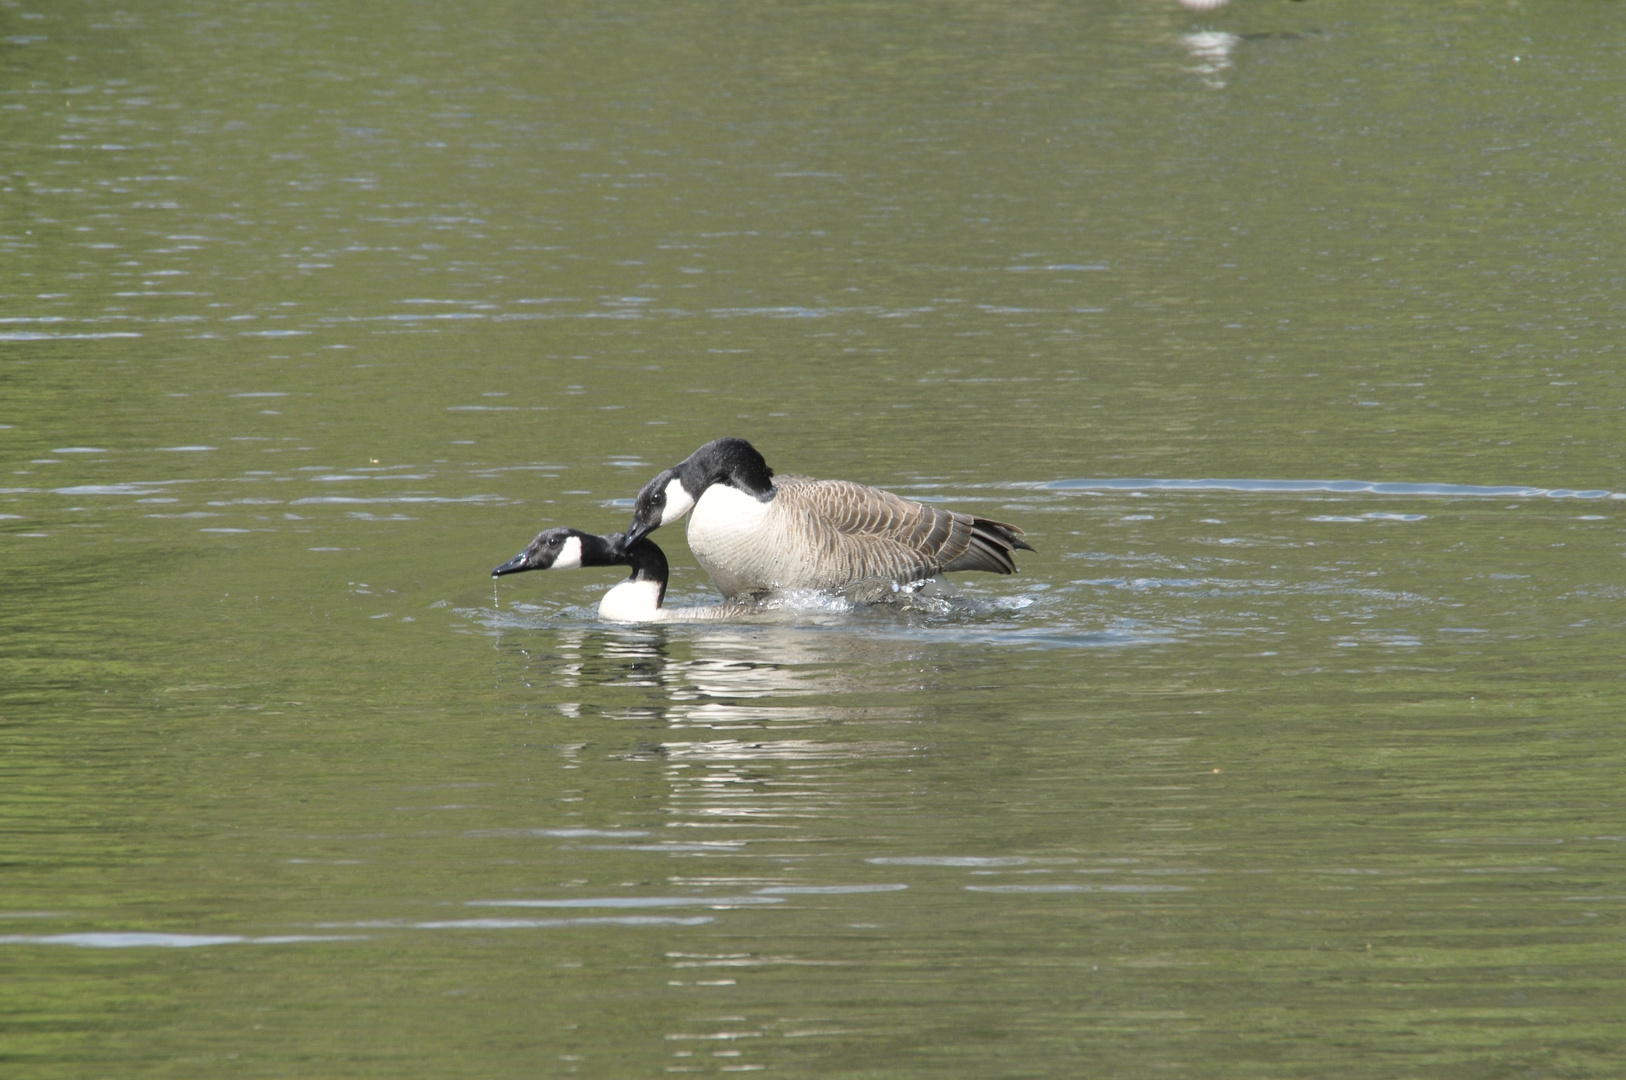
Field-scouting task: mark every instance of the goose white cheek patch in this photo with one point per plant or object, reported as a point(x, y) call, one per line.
point(570, 556)
point(678, 502)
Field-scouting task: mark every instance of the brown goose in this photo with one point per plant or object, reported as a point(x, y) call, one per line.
point(753, 535)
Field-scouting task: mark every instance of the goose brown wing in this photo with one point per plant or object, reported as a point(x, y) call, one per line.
point(874, 533)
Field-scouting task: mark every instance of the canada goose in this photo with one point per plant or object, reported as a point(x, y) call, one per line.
point(637, 599)
point(753, 535)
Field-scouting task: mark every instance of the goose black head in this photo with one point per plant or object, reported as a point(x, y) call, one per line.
point(673, 492)
point(638, 599)
point(563, 549)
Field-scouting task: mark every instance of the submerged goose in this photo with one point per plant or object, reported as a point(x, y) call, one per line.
point(753, 535)
point(637, 599)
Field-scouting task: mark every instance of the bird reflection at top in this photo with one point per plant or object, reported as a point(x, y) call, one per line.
point(1211, 49)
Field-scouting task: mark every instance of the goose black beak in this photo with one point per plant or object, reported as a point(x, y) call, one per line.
point(512, 566)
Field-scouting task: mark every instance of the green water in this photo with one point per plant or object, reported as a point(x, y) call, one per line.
point(312, 314)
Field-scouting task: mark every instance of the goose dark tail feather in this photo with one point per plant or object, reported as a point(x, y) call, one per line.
point(991, 545)
point(1010, 534)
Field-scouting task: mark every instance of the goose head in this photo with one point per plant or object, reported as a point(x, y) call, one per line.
point(562, 549)
point(637, 599)
point(673, 492)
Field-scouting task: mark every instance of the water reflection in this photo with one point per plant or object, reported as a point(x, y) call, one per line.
point(138, 940)
point(779, 684)
point(764, 662)
point(1211, 49)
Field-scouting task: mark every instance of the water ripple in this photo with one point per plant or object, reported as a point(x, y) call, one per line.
point(1338, 486)
point(133, 940)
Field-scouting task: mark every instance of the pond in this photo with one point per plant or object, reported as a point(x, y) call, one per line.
point(1288, 332)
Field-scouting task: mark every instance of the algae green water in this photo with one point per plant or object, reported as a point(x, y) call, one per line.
point(1290, 333)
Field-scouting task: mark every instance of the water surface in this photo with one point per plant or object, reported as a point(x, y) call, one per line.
point(1289, 333)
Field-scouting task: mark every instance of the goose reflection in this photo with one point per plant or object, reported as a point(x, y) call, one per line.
point(749, 728)
point(1211, 49)
point(773, 661)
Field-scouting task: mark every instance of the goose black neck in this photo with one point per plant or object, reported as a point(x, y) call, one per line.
point(648, 563)
point(601, 550)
